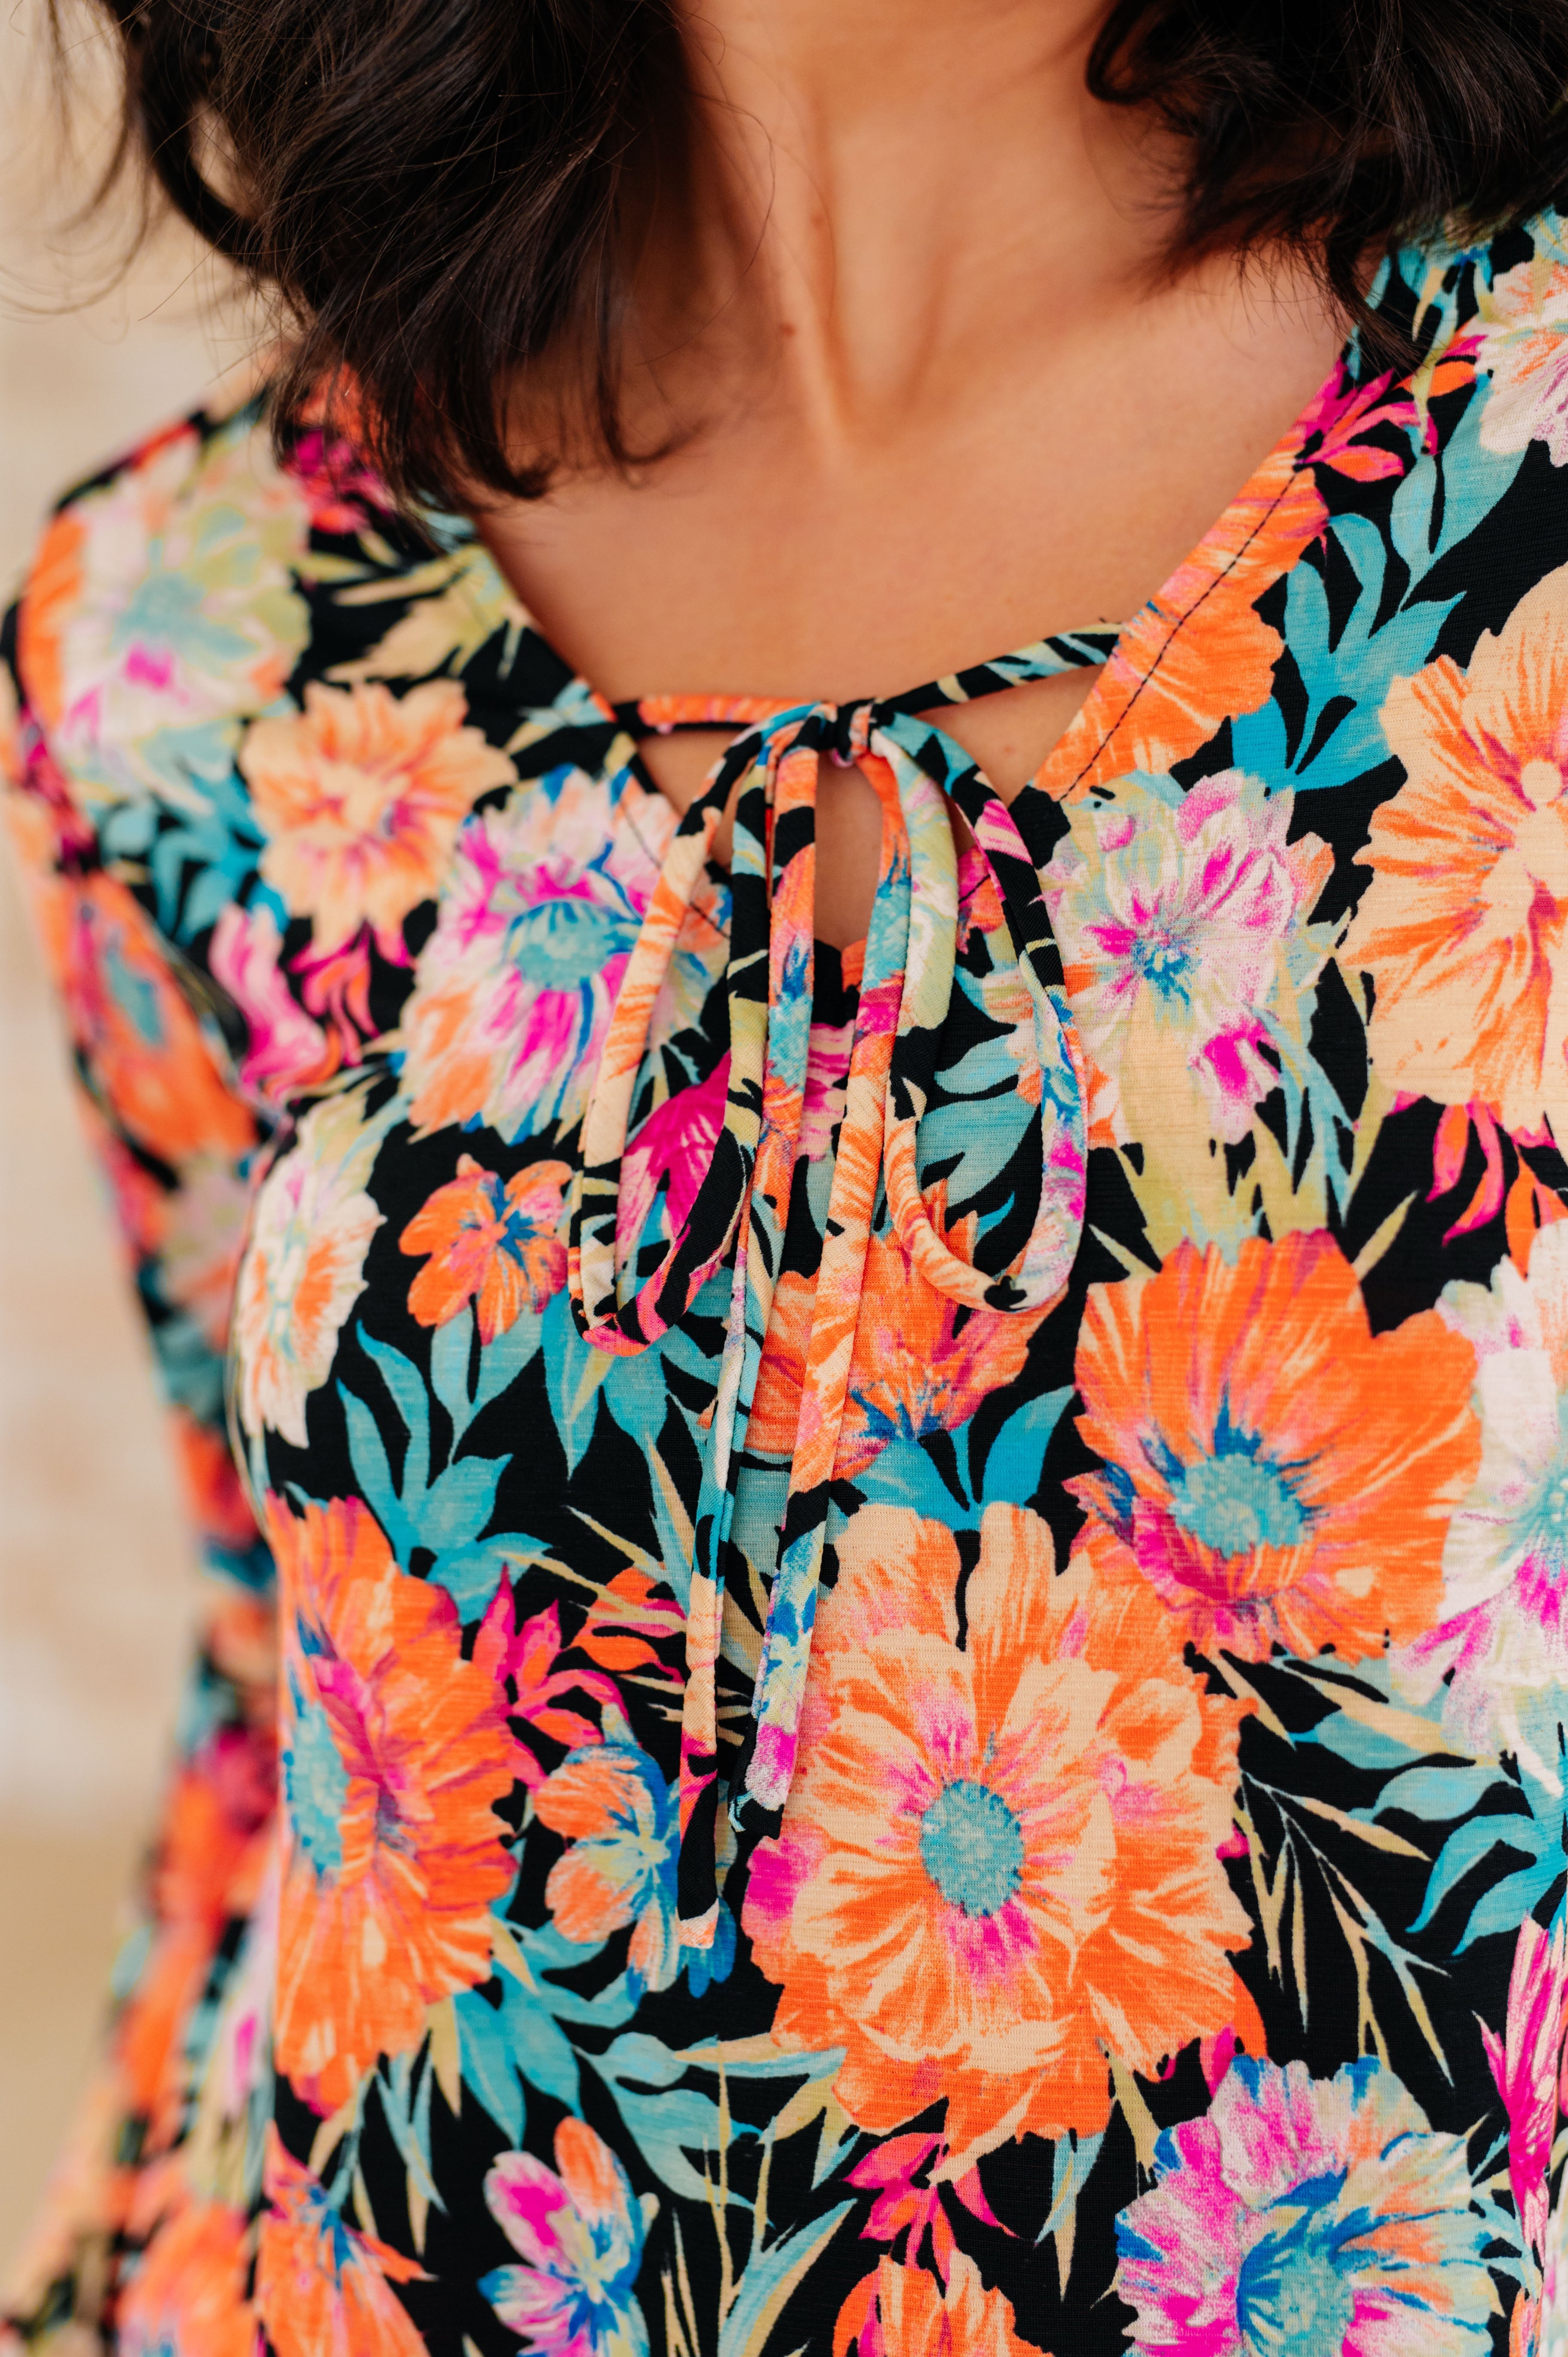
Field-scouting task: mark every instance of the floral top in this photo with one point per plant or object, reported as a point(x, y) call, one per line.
point(886, 1664)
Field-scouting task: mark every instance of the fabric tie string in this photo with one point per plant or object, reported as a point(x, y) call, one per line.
point(742, 1198)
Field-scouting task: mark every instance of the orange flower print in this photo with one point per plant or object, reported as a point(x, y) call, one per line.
point(492, 1242)
point(1461, 930)
point(999, 1864)
point(303, 1270)
point(776, 1405)
point(1278, 1474)
point(619, 1817)
point(905, 2312)
point(158, 1071)
point(188, 2296)
point(323, 2288)
point(54, 588)
point(361, 795)
point(395, 1750)
point(1168, 681)
point(922, 1362)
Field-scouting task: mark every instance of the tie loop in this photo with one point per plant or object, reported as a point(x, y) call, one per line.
point(705, 1237)
point(741, 1200)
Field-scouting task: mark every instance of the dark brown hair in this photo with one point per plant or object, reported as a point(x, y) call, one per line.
point(443, 192)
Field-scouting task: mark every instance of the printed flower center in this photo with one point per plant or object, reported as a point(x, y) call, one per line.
point(167, 610)
point(515, 1230)
point(362, 799)
point(1234, 1503)
point(392, 1833)
point(595, 2254)
point(972, 1845)
point(316, 1783)
point(561, 944)
point(1165, 961)
point(1292, 2300)
point(1548, 1526)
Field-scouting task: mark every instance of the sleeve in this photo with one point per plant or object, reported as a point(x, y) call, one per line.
point(163, 2145)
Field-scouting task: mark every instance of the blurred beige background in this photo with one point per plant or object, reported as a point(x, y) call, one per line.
point(94, 1569)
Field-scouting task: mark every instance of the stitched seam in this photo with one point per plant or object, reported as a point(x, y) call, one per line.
point(1176, 628)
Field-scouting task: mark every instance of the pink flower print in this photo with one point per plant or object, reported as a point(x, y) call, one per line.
point(334, 983)
point(673, 1147)
point(543, 905)
point(523, 1661)
point(1305, 2216)
point(903, 2205)
point(890, 2170)
point(341, 490)
point(1526, 2063)
point(1180, 917)
point(827, 1071)
point(1345, 412)
point(286, 1049)
point(578, 2228)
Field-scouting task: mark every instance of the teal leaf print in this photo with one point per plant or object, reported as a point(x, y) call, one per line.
point(444, 1516)
point(1345, 675)
point(1442, 498)
point(1535, 1835)
point(1495, 1807)
point(500, 1363)
point(404, 2086)
point(509, 2030)
point(771, 2276)
point(663, 2120)
point(1008, 1462)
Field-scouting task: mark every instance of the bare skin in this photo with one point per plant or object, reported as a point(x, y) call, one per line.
point(946, 400)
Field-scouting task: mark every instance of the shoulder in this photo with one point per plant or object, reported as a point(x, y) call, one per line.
point(1445, 483)
point(257, 702)
point(162, 604)
point(1499, 307)
point(195, 585)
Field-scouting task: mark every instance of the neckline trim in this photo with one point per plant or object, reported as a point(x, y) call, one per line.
point(1129, 656)
point(1050, 657)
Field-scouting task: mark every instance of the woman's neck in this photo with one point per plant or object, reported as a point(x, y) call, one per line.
point(873, 185)
point(926, 390)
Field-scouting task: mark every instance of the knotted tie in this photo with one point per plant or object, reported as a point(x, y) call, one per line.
point(742, 1200)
